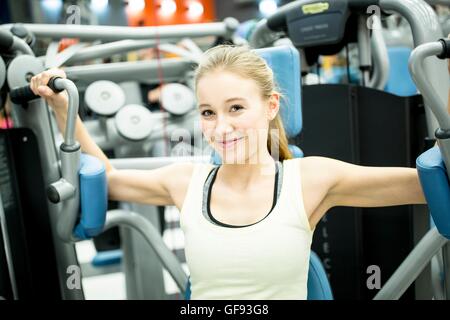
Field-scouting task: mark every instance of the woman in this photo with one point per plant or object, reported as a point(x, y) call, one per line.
point(248, 223)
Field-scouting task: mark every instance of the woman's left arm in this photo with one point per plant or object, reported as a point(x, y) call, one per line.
point(360, 186)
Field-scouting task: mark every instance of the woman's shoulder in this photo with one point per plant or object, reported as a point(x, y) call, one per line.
point(311, 161)
point(312, 166)
point(180, 177)
point(185, 170)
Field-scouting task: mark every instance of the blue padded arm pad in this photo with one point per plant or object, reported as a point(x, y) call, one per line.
point(318, 285)
point(93, 197)
point(296, 151)
point(400, 81)
point(285, 64)
point(436, 188)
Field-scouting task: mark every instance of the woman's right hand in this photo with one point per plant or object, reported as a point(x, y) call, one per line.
point(38, 84)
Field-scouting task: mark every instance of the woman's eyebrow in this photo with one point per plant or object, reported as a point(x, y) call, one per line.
point(226, 101)
point(234, 99)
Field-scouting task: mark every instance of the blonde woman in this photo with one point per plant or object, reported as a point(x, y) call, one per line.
point(248, 223)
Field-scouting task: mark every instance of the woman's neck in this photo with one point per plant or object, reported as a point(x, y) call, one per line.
point(241, 176)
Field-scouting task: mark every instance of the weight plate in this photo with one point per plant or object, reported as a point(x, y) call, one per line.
point(104, 97)
point(177, 99)
point(134, 122)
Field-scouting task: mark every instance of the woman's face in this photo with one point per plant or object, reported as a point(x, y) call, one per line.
point(234, 116)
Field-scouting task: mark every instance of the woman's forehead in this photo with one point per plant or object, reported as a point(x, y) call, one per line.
point(224, 86)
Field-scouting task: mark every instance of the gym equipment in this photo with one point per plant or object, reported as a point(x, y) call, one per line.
point(35, 117)
point(177, 98)
point(27, 271)
point(134, 122)
point(21, 32)
point(399, 81)
point(108, 137)
point(2, 72)
point(77, 179)
point(434, 175)
point(118, 134)
point(226, 28)
point(104, 97)
point(133, 92)
point(345, 122)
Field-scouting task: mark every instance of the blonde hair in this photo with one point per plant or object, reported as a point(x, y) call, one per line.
point(247, 64)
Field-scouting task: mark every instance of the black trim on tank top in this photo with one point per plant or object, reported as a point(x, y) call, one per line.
point(274, 201)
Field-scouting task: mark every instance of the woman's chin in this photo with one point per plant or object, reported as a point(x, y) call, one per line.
point(231, 158)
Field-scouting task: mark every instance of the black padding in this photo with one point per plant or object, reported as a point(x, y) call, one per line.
point(445, 49)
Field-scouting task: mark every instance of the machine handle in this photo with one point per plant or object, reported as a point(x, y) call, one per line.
point(24, 94)
point(445, 54)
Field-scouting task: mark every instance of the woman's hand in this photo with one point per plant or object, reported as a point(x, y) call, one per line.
point(38, 84)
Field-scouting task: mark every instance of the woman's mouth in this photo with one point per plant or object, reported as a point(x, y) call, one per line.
point(225, 144)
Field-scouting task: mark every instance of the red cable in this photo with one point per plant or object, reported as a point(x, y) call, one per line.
point(161, 107)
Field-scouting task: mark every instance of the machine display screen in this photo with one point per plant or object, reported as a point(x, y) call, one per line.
point(320, 23)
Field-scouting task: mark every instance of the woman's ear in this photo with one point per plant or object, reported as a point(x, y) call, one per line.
point(274, 105)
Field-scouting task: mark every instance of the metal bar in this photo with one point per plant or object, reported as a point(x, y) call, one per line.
point(153, 238)
point(141, 71)
point(418, 71)
point(365, 59)
point(108, 49)
point(113, 33)
point(72, 113)
point(436, 104)
point(262, 36)
point(425, 28)
point(412, 266)
point(380, 58)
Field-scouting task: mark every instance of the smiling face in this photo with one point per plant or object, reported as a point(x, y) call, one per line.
point(235, 116)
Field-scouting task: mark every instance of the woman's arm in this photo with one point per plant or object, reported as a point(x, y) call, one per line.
point(161, 186)
point(59, 104)
point(360, 186)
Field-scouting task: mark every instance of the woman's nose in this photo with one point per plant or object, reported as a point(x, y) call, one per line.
point(223, 127)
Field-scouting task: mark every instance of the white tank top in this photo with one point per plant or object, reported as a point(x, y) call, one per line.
point(266, 260)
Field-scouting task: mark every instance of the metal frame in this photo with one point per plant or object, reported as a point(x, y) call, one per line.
point(425, 28)
point(226, 28)
point(37, 118)
point(142, 71)
point(412, 266)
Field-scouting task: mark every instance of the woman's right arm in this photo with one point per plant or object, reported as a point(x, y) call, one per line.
point(142, 186)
